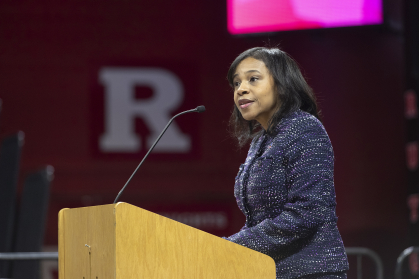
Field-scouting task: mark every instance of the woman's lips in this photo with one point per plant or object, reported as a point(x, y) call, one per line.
point(244, 103)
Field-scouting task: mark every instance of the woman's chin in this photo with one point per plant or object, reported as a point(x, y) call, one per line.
point(247, 117)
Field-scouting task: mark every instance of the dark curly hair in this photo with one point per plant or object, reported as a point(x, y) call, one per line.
point(292, 90)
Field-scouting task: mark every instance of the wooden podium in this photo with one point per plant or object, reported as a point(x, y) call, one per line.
point(121, 241)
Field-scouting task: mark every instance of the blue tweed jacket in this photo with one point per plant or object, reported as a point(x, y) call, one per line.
point(285, 189)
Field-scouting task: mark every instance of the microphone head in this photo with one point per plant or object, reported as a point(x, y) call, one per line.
point(200, 109)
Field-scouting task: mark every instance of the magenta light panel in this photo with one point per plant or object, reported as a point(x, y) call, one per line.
point(257, 16)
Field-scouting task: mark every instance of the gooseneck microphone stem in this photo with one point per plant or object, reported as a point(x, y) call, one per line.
point(198, 109)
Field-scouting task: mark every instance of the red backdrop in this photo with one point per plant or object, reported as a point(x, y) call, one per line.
point(50, 53)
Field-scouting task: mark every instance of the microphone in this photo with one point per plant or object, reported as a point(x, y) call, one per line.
point(198, 109)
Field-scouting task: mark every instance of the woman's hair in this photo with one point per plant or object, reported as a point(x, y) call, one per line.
point(292, 92)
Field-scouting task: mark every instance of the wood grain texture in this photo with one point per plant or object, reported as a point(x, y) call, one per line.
point(129, 242)
point(162, 248)
point(94, 227)
point(61, 247)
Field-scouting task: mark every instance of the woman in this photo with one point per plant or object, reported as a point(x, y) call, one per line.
point(285, 187)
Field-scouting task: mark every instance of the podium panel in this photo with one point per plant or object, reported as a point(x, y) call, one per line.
point(123, 241)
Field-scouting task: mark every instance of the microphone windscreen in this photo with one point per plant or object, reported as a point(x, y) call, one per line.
point(200, 109)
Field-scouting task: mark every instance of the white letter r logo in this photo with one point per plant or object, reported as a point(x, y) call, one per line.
point(121, 108)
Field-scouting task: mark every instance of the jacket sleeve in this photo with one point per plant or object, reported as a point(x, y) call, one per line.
point(310, 199)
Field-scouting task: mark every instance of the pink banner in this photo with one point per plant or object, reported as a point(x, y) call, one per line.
point(256, 16)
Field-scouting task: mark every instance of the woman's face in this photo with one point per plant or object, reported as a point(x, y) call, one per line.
point(254, 91)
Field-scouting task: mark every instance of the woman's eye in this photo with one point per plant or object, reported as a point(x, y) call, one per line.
point(236, 83)
point(253, 79)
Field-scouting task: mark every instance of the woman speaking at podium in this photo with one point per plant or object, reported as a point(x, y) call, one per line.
point(285, 187)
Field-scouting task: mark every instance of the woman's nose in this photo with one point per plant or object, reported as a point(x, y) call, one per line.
point(242, 89)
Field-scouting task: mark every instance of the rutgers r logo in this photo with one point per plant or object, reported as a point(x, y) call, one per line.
point(121, 109)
